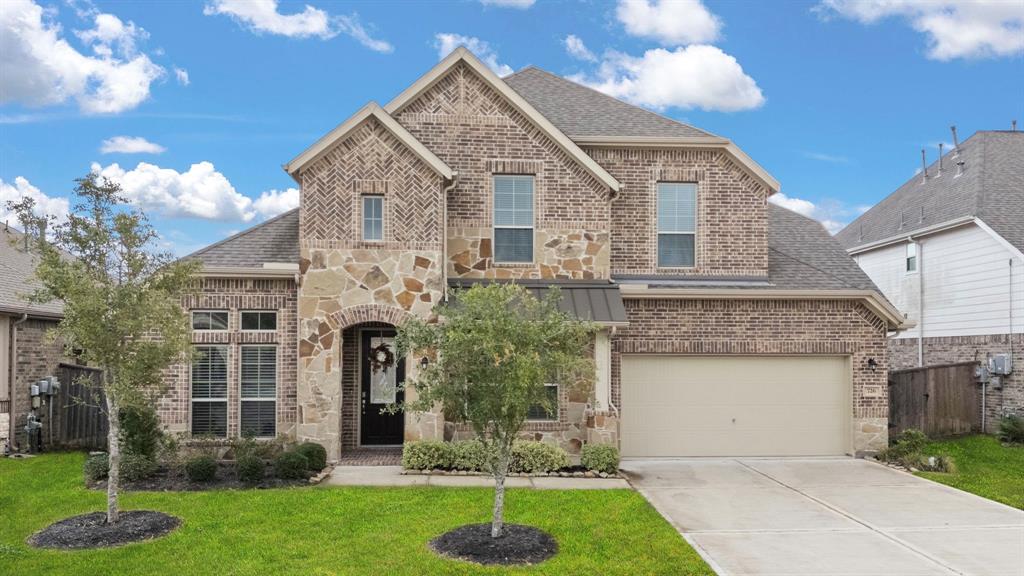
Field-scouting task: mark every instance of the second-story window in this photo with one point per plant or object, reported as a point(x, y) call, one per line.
point(912, 257)
point(373, 218)
point(209, 319)
point(677, 224)
point(513, 219)
point(259, 320)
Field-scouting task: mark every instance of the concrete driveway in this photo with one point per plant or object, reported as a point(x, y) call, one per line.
point(829, 516)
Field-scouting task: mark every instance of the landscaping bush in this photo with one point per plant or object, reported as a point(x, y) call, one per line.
point(468, 455)
point(250, 468)
point(201, 468)
point(537, 457)
point(291, 465)
point(906, 446)
point(136, 467)
point(427, 455)
point(96, 467)
point(1011, 429)
point(140, 431)
point(600, 458)
point(315, 454)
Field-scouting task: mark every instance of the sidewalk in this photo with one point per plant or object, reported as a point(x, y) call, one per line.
point(392, 476)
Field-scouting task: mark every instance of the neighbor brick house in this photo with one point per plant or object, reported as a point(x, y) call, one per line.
point(729, 325)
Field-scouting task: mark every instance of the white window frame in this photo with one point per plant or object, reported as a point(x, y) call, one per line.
point(362, 212)
point(557, 415)
point(192, 320)
point(533, 220)
point(227, 382)
point(659, 232)
point(911, 247)
point(241, 320)
point(242, 399)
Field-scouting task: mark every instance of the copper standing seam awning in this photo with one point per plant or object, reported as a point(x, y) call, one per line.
point(594, 300)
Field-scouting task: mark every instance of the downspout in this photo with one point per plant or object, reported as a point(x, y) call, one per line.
point(444, 235)
point(12, 361)
point(920, 301)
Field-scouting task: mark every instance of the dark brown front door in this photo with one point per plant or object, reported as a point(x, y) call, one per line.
point(380, 388)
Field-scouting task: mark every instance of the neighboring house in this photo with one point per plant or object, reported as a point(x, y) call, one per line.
point(946, 249)
point(730, 325)
point(26, 354)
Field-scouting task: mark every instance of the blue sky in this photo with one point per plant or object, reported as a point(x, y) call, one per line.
point(194, 106)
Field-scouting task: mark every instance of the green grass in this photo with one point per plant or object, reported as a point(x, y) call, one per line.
point(984, 467)
point(320, 530)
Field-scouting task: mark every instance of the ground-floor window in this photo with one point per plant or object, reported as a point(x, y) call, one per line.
point(542, 412)
point(210, 391)
point(259, 391)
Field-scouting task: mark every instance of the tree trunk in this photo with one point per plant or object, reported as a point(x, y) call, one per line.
point(114, 457)
point(500, 472)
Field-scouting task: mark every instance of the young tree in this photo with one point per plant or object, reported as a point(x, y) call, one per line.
point(489, 358)
point(122, 302)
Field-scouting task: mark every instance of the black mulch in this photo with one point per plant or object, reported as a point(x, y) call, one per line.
point(518, 544)
point(92, 531)
point(169, 480)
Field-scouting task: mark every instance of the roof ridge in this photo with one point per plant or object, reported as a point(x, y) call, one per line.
point(239, 234)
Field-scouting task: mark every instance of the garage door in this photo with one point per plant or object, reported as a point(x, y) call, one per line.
point(734, 405)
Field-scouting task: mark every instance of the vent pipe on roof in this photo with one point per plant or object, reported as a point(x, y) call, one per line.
point(1013, 125)
point(956, 142)
point(940, 158)
point(960, 167)
point(924, 167)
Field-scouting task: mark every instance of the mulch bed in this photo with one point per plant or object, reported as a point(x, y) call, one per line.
point(92, 531)
point(169, 480)
point(518, 545)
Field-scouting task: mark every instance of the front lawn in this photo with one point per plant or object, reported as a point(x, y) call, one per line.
point(314, 530)
point(983, 466)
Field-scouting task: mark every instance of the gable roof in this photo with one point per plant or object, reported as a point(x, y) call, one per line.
point(321, 146)
point(18, 278)
point(273, 241)
point(461, 54)
point(990, 189)
point(580, 111)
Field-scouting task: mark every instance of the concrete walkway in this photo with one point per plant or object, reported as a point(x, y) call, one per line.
point(392, 476)
point(825, 516)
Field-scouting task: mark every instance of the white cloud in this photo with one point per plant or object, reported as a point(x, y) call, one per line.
point(445, 42)
point(199, 192)
point(41, 68)
point(669, 21)
point(45, 205)
point(274, 202)
point(834, 215)
point(263, 16)
point(953, 29)
point(520, 4)
point(696, 76)
point(577, 49)
point(130, 145)
point(830, 158)
point(182, 76)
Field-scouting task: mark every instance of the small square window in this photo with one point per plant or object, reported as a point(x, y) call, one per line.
point(210, 320)
point(259, 320)
point(547, 411)
point(373, 218)
point(912, 257)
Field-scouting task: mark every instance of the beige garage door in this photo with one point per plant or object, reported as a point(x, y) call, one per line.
point(734, 405)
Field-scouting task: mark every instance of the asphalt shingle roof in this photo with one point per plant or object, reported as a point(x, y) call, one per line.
point(581, 112)
point(276, 240)
point(18, 277)
point(991, 188)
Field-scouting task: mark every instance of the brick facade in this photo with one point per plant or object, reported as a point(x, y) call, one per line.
point(36, 357)
point(1006, 399)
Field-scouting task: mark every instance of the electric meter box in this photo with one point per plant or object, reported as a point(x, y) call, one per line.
point(1001, 364)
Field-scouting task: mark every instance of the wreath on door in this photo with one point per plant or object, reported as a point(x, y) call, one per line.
point(381, 358)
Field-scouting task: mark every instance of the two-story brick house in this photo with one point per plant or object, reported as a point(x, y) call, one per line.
point(729, 325)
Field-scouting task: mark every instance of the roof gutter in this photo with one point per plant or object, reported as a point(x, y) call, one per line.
point(283, 271)
point(907, 236)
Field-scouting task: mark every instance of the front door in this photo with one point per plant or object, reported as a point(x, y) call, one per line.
point(379, 389)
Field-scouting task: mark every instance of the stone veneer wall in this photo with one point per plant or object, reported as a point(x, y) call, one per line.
point(950, 349)
point(235, 295)
point(761, 327)
point(732, 216)
point(35, 358)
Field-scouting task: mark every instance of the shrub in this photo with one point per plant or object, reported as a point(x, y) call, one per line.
point(291, 465)
point(537, 457)
point(315, 454)
point(427, 455)
point(201, 468)
point(140, 431)
point(907, 445)
point(468, 455)
point(1011, 429)
point(136, 467)
point(96, 467)
point(250, 468)
point(600, 458)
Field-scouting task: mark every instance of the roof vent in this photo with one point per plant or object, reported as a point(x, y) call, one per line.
point(924, 168)
point(1013, 125)
point(940, 160)
point(960, 168)
point(956, 142)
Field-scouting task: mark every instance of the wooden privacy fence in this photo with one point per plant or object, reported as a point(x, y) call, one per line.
point(79, 419)
point(938, 400)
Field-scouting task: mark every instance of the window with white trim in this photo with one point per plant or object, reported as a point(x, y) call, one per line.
point(259, 321)
point(677, 224)
point(911, 257)
point(548, 411)
point(373, 218)
point(210, 391)
point(259, 391)
point(209, 319)
point(513, 219)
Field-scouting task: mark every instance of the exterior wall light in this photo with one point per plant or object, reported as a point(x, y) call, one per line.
point(872, 364)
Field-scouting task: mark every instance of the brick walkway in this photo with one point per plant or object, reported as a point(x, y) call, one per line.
point(391, 456)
